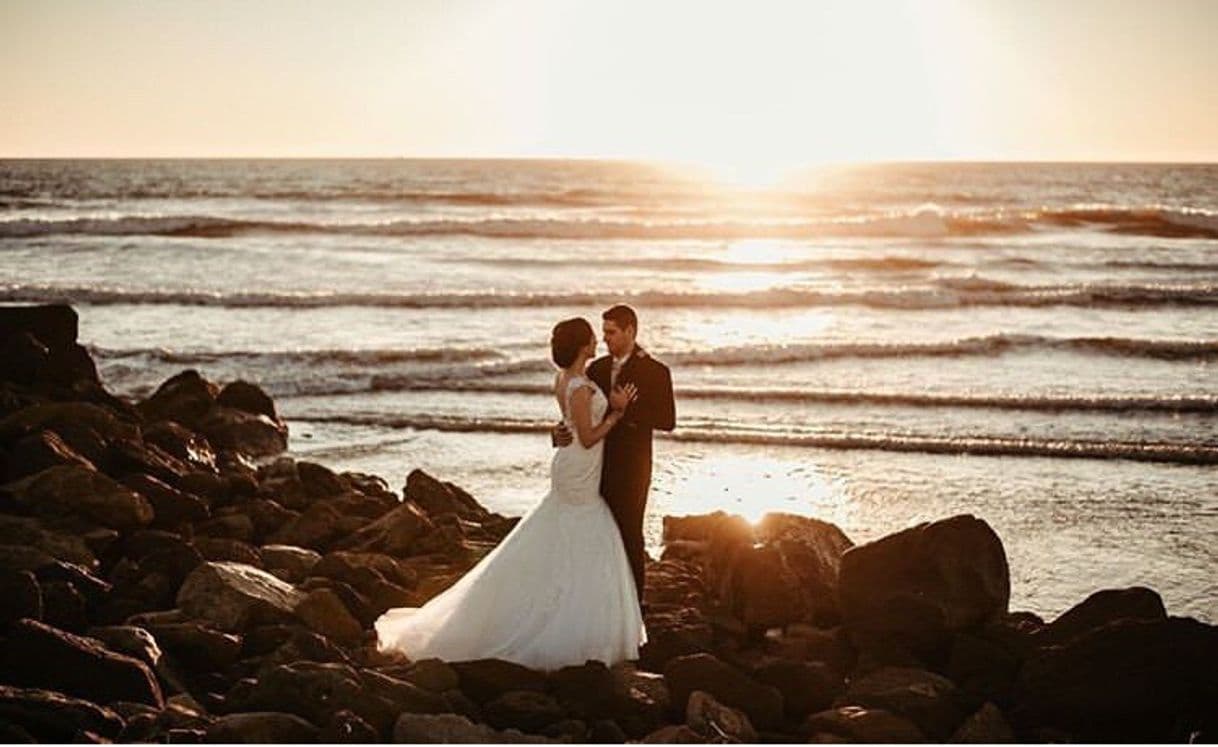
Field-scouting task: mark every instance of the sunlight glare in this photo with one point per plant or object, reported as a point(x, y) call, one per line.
point(755, 485)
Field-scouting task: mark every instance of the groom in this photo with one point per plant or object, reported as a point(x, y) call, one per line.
point(626, 469)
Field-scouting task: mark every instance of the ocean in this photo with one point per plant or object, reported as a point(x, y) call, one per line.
point(874, 345)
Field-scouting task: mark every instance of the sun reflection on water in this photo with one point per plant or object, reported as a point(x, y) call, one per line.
point(754, 485)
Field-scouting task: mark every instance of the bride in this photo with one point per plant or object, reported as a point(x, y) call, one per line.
point(558, 589)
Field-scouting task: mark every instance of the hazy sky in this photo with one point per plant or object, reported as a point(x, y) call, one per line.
point(754, 84)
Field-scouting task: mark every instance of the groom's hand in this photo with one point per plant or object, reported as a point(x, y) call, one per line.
point(621, 396)
point(560, 435)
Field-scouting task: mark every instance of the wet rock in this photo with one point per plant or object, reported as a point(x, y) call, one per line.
point(866, 725)
point(449, 728)
point(1101, 608)
point(326, 614)
point(1131, 680)
point(37, 655)
point(39, 451)
point(261, 727)
point(51, 716)
point(526, 710)
point(184, 398)
point(182, 443)
point(485, 679)
point(289, 562)
point(930, 701)
point(255, 435)
point(762, 703)
point(806, 687)
point(78, 490)
point(919, 586)
point(247, 397)
point(986, 726)
point(717, 722)
point(233, 595)
point(435, 497)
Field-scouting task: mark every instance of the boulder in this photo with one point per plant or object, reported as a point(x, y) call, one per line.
point(365, 570)
point(171, 507)
point(527, 710)
point(685, 674)
point(395, 533)
point(918, 587)
point(326, 614)
point(432, 674)
point(227, 526)
point(266, 516)
point(260, 728)
point(23, 359)
point(39, 451)
point(289, 562)
point(232, 596)
point(314, 691)
point(585, 691)
point(197, 646)
point(672, 633)
point(811, 550)
point(486, 679)
point(717, 722)
point(866, 725)
point(54, 325)
point(184, 398)
point(930, 701)
point(73, 489)
point(21, 594)
point(133, 456)
point(1101, 608)
point(1131, 680)
point(435, 497)
point(38, 655)
point(674, 734)
point(317, 528)
point(449, 728)
point(806, 686)
point(255, 435)
point(319, 481)
point(403, 695)
point(83, 426)
point(345, 727)
point(51, 716)
point(221, 549)
point(40, 535)
point(247, 397)
point(182, 443)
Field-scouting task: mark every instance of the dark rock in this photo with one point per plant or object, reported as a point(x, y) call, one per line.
point(130, 640)
point(133, 456)
point(806, 687)
point(316, 692)
point(930, 701)
point(228, 526)
point(23, 558)
point(318, 481)
point(317, 528)
point(919, 586)
point(430, 674)
point(1101, 608)
point(37, 655)
point(267, 516)
point(83, 426)
point(79, 490)
point(39, 451)
point(247, 397)
point(182, 443)
point(585, 691)
point(326, 614)
point(986, 726)
point(289, 562)
point(449, 728)
point(674, 734)
point(356, 604)
point(395, 533)
point(211, 487)
point(811, 550)
point(21, 594)
point(672, 633)
point(171, 507)
point(404, 696)
point(198, 646)
point(345, 727)
point(54, 717)
point(866, 725)
point(304, 645)
point(717, 722)
point(526, 710)
point(255, 435)
point(184, 398)
point(435, 497)
point(983, 666)
point(762, 703)
point(363, 570)
point(1131, 680)
point(36, 535)
point(23, 359)
point(261, 727)
point(232, 596)
point(64, 606)
point(54, 325)
point(574, 730)
point(486, 679)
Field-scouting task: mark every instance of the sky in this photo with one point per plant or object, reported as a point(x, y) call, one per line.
point(755, 85)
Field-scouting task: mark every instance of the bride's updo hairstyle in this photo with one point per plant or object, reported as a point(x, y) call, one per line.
point(568, 338)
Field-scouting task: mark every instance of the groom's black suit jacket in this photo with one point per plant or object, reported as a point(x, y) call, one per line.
point(626, 470)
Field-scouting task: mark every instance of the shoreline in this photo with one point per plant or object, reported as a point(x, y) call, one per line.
point(175, 579)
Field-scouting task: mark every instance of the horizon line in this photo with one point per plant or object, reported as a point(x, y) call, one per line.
point(628, 159)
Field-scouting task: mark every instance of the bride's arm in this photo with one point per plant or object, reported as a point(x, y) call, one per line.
point(581, 412)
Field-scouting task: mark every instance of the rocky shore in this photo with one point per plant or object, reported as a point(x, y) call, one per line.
point(168, 577)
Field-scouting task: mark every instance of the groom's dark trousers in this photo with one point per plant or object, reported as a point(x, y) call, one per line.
point(626, 469)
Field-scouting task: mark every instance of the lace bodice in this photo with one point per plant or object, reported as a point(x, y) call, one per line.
point(599, 404)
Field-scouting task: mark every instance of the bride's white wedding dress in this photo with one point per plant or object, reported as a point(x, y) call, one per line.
point(556, 591)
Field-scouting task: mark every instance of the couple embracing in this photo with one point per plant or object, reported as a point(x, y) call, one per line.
point(566, 584)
